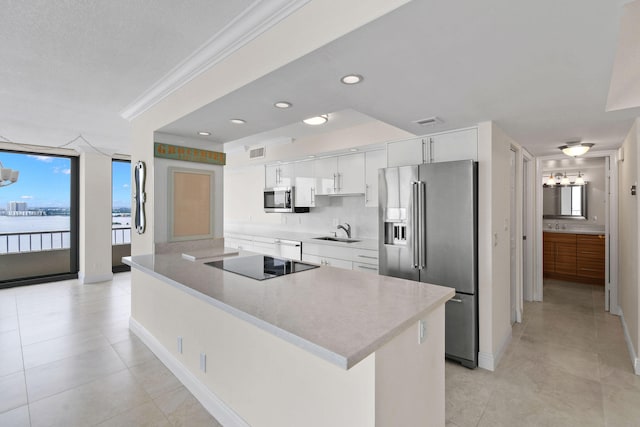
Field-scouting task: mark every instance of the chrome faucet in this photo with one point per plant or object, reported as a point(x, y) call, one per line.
point(347, 229)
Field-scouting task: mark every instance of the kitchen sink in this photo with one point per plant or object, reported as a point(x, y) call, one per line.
point(336, 239)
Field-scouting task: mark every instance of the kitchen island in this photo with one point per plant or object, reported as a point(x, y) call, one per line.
point(319, 347)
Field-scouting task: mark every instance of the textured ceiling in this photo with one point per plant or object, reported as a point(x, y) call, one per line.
point(70, 67)
point(541, 70)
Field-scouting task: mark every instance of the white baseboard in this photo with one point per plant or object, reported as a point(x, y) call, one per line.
point(632, 352)
point(94, 278)
point(211, 402)
point(489, 361)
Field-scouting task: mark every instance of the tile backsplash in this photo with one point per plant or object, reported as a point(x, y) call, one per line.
point(322, 219)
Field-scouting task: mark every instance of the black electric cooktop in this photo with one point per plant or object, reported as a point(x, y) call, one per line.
point(261, 267)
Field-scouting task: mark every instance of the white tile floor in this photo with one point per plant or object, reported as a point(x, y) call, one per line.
point(67, 358)
point(567, 365)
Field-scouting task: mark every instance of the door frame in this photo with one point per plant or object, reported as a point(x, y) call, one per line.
point(611, 227)
point(528, 225)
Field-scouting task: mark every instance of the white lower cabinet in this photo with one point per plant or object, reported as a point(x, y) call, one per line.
point(332, 262)
point(341, 257)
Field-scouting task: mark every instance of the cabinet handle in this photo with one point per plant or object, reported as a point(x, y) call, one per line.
point(366, 193)
point(367, 268)
point(368, 257)
point(334, 182)
point(430, 150)
point(313, 196)
point(456, 300)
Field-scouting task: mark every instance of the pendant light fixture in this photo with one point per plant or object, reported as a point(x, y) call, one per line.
point(575, 149)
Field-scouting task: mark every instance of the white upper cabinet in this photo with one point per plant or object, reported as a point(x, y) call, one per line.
point(340, 175)
point(278, 175)
point(351, 174)
point(444, 147)
point(460, 145)
point(326, 173)
point(305, 183)
point(373, 160)
point(405, 153)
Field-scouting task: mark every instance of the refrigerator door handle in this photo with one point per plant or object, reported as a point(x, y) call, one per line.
point(422, 227)
point(455, 300)
point(414, 218)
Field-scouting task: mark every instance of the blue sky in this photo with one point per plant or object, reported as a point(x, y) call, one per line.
point(44, 181)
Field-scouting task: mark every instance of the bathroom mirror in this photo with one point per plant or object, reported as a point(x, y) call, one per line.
point(564, 202)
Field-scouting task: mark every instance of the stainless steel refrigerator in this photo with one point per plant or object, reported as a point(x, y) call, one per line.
point(428, 233)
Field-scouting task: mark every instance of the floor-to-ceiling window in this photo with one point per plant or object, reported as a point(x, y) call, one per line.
point(38, 218)
point(120, 213)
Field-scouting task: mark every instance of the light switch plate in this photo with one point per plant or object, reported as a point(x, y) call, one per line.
point(422, 331)
point(203, 362)
point(180, 345)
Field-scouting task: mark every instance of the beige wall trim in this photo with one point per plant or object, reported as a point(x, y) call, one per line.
point(86, 279)
point(212, 403)
point(489, 361)
point(255, 20)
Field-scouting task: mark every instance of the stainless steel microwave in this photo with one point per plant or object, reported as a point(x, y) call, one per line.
point(281, 199)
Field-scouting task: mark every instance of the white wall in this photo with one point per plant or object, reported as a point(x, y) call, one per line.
point(629, 296)
point(493, 243)
point(161, 178)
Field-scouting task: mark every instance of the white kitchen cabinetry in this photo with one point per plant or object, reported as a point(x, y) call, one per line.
point(280, 175)
point(305, 183)
point(457, 145)
point(326, 173)
point(265, 245)
point(405, 153)
point(340, 175)
point(351, 174)
point(373, 160)
point(341, 257)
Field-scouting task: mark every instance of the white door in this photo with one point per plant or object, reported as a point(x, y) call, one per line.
point(373, 160)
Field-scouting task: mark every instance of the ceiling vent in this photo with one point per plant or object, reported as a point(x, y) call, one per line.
point(256, 153)
point(431, 121)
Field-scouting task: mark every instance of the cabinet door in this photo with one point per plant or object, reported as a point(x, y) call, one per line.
point(305, 183)
point(373, 160)
point(591, 256)
point(278, 175)
point(566, 261)
point(351, 174)
point(331, 262)
point(326, 172)
point(459, 145)
point(405, 153)
point(548, 254)
point(271, 176)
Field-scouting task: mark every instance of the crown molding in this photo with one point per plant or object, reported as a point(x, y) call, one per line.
point(253, 21)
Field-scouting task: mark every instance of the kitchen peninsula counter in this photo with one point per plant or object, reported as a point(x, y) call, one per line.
point(339, 315)
point(319, 347)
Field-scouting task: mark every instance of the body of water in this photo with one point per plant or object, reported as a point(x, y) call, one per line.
point(44, 225)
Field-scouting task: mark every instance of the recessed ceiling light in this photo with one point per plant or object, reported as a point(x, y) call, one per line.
point(352, 79)
point(311, 156)
point(353, 150)
point(203, 133)
point(317, 120)
point(282, 104)
point(238, 121)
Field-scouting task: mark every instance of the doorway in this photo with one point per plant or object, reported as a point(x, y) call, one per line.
point(599, 170)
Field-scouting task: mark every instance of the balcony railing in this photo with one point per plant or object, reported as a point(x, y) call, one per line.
point(51, 240)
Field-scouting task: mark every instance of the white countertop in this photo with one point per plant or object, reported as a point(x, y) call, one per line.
point(363, 243)
point(339, 315)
